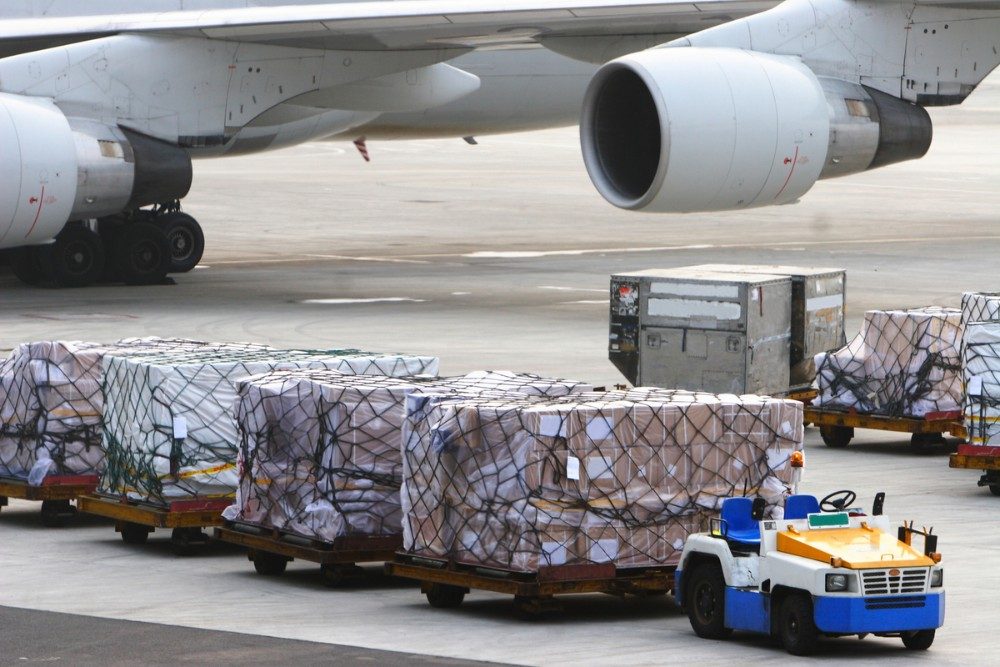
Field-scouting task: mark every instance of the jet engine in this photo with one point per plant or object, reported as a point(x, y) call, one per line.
point(54, 169)
point(681, 129)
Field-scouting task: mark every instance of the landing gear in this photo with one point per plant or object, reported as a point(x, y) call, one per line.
point(138, 248)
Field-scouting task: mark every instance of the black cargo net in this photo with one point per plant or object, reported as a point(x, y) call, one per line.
point(980, 307)
point(981, 375)
point(51, 405)
point(320, 452)
point(903, 363)
point(170, 428)
point(619, 477)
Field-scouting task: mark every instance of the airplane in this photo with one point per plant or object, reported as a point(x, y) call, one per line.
point(683, 105)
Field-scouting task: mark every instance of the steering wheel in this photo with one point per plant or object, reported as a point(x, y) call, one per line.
point(837, 501)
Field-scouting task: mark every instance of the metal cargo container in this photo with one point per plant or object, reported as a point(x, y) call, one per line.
point(702, 330)
point(818, 305)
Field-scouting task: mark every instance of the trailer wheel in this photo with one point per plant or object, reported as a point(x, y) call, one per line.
point(796, 626)
point(920, 640)
point(187, 541)
point(56, 513)
point(920, 441)
point(134, 533)
point(705, 601)
point(268, 564)
point(993, 481)
point(445, 596)
point(836, 436)
point(341, 574)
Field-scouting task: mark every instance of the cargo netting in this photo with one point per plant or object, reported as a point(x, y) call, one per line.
point(981, 373)
point(980, 307)
point(617, 477)
point(320, 452)
point(903, 363)
point(169, 422)
point(51, 404)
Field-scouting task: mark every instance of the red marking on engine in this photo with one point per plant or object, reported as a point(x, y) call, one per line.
point(794, 161)
point(41, 202)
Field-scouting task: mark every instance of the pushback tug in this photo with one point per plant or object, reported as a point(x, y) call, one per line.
point(826, 568)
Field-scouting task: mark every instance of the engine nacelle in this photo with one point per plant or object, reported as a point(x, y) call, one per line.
point(54, 169)
point(712, 129)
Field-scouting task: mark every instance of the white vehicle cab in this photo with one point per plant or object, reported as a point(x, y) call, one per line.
point(825, 568)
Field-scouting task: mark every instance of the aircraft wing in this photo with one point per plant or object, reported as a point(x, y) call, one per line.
point(393, 24)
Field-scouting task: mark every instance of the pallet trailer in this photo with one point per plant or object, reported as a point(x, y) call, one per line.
point(270, 551)
point(135, 520)
point(446, 583)
point(979, 457)
point(55, 494)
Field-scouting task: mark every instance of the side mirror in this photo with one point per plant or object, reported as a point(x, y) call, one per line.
point(879, 502)
point(757, 509)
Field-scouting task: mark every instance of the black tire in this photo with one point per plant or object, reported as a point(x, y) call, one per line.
point(705, 601)
point(185, 238)
point(269, 564)
point(836, 436)
point(134, 533)
point(445, 596)
point(920, 640)
point(76, 259)
point(141, 254)
point(796, 625)
point(925, 440)
point(26, 265)
point(56, 513)
point(995, 489)
point(187, 541)
point(344, 574)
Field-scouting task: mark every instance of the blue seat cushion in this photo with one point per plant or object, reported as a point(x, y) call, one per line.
point(800, 506)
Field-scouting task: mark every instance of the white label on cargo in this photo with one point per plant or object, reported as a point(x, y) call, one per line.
point(572, 467)
point(602, 551)
point(975, 387)
point(552, 426)
point(180, 428)
point(696, 289)
point(598, 467)
point(556, 552)
point(824, 302)
point(599, 428)
point(720, 310)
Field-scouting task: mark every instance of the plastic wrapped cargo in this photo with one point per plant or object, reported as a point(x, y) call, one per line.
point(981, 374)
point(170, 428)
point(980, 307)
point(51, 404)
point(320, 452)
point(621, 477)
point(903, 363)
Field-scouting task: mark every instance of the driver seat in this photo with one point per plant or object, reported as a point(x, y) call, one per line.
point(740, 526)
point(800, 506)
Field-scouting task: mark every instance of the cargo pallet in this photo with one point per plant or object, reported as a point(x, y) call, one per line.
point(980, 457)
point(135, 520)
point(445, 583)
point(836, 427)
point(55, 493)
point(270, 550)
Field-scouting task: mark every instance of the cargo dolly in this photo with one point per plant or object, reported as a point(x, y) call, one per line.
point(135, 520)
point(980, 457)
point(55, 493)
point(270, 551)
point(445, 583)
point(836, 427)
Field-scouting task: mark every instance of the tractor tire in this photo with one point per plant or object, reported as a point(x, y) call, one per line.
point(796, 625)
point(920, 640)
point(705, 602)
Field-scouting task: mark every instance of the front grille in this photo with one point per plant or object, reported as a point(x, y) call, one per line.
point(881, 582)
point(903, 602)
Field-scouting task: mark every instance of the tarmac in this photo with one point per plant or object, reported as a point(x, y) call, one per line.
point(494, 256)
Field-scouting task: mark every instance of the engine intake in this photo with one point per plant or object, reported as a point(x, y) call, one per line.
point(54, 169)
point(711, 129)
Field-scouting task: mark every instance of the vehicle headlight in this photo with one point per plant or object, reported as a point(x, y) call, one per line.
point(937, 578)
point(836, 582)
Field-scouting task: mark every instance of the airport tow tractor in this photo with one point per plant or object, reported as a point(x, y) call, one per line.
point(825, 569)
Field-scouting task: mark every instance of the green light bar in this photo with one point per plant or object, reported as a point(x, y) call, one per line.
point(832, 520)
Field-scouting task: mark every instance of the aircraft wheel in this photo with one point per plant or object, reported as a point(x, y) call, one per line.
point(76, 259)
point(796, 625)
point(186, 240)
point(920, 640)
point(141, 254)
point(705, 602)
point(27, 266)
